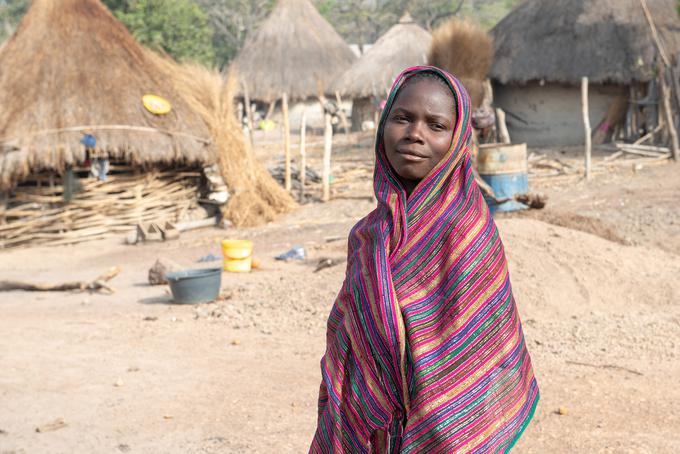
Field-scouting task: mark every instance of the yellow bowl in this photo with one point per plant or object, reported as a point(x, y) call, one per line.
point(237, 255)
point(238, 265)
point(237, 249)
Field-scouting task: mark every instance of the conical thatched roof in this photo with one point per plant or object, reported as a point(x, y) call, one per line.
point(295, 51)
point(565, 40)
point(404, 45)
point(71, 64)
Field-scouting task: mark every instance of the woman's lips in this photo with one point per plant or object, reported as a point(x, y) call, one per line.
point(409, 155)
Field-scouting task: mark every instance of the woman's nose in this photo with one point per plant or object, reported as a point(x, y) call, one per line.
point(414, 131)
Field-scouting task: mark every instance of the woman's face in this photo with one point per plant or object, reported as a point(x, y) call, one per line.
point(419, 129)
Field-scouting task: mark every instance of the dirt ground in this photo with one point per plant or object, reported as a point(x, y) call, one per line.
point(132, 372)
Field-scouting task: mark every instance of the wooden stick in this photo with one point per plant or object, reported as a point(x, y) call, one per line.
point(643, 147)
point(286, 141)
point(675, 88)
point(486, 189)
point(95, 285)
point(631, 115)
point(651, 154)
point(668, 114)
point(113, 128)
point(341, 113)
point(487, 100)
point(503, 135)
point(605, 366)
point(249, 113)
point(270, 110)
point(327, 147)
point(303, 154)
point(613, 156)
point(196, 224)
point(647, 136)
point(586, 123)
point(655, 34)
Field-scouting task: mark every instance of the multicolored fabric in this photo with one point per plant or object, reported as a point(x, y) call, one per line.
point(425, 351)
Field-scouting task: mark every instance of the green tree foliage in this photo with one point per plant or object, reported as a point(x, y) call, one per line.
point(213, 31)
point(232, 21)
point(364, 21)
point(11, 12)
point(117, 5)
point(487, 13)
point(178, 27)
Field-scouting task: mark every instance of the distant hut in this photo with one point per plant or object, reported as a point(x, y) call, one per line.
point(295, 51)
point(81, 157)
point(543, 48)
point(370, 78)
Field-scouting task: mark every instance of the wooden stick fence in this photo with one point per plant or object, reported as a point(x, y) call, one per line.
point(38, 215)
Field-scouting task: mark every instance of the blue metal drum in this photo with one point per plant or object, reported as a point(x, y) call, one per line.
point(505, 169)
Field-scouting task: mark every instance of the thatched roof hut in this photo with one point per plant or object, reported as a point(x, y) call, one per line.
point(370, 78)
point(608, 41)
point(295, 51)
point(71, 68)
point(405, 44)
point(543, 48)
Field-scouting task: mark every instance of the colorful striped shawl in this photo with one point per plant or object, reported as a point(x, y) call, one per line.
point(425, 351)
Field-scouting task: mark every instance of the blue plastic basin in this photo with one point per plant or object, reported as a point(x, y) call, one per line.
point(195, 285)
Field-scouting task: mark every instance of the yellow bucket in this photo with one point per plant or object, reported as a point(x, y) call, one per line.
point(238, 255)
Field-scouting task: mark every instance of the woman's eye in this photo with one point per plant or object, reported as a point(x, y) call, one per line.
point(400, 118)
point(437, 126)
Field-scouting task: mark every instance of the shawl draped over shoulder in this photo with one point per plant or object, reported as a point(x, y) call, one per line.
point(425, 350)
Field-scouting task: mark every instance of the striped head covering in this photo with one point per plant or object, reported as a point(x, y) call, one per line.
point(425, 351)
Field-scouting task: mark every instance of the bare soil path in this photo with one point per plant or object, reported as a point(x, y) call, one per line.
point(131, 372)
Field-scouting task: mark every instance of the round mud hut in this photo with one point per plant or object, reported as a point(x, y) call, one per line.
point(543, 48)
point(96, 138)
point(297, 52)
point(370, 78)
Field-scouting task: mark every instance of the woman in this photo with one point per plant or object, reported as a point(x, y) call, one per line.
point(425, 351)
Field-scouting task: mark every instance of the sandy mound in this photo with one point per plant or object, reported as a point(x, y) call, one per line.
point(559, 271)
point(575, 221)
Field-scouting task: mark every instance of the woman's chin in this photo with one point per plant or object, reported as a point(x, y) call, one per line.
point(410, 174)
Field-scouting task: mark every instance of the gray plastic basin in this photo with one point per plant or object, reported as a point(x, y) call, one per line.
point(195, 285)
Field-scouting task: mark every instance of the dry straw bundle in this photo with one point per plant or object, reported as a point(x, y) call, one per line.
point(255, 197)
point(466, 51)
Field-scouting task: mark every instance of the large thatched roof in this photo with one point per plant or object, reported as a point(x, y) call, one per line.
point(404, 45)
point(71, 64)
point(562, 41)
point(295, 51)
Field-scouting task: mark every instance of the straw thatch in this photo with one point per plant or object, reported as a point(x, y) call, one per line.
point(295, 51)
point(405, 44)
point(255, 197)
point(462, 48)
point(609, 41)
point(465, 50)
point(71, 67)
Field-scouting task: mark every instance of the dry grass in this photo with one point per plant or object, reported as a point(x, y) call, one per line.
point(466, 51)
point(254, 195)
